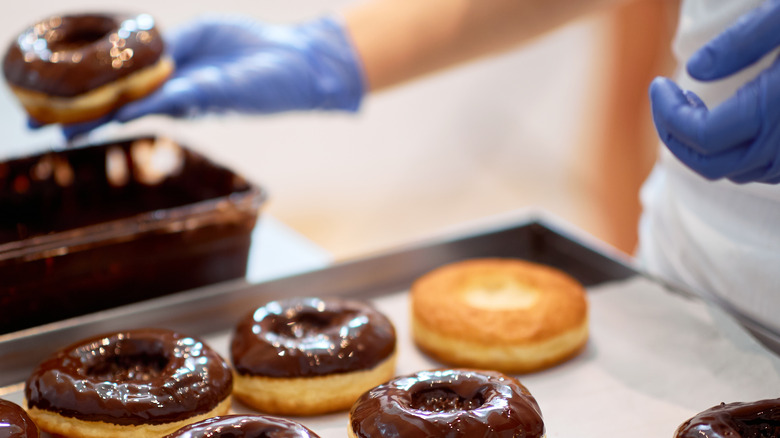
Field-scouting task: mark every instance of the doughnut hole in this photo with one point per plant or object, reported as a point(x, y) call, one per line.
point(128, 361)
point(306, 323)
point(61, 39)
point(442, 399)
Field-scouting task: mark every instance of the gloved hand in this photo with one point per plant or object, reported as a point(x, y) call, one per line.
point(230, 63)
point(740, 138)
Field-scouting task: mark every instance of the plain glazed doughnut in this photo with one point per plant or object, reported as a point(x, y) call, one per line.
point(758, 419)
point(307, 356)
point(75, 68)
point(447, 403)
point(15, 423)
point(138, 383)
point(504, 314)
point(244, 426)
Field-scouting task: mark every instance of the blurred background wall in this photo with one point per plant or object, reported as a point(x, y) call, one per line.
point(553, 125)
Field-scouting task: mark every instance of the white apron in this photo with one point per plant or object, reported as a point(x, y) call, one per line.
point(718, 237)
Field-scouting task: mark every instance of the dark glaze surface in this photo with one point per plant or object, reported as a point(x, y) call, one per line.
point(69, 55)
point(14, 422)
point(244, 426)
point(211, 211)
point(448, 403)
point(304, 337)
point(759, 419)
point(150, 376)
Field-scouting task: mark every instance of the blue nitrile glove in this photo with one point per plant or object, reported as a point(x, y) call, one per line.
point(237, 64)
point(740, 138)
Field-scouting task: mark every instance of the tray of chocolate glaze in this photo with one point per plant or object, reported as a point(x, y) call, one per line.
point(655, 357)
point(78, 227)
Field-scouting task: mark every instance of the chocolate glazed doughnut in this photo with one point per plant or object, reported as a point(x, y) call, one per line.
point(760, 419)
point(307, 356)
point(244, 426)
point(147, 382)
point(447, 403)
point(73, 68)
point(15, 423)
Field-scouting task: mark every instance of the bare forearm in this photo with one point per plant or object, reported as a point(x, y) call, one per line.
point(399, 40)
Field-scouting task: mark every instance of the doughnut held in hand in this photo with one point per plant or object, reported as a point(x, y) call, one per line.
point(76, 68)
point(447, 403)
point(138, 383)
point(15, 423)
point(307, 356)
point(244, 426)
point(735, 420)
point(503, 314)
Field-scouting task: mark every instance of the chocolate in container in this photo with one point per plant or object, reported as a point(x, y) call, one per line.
point(104, 225)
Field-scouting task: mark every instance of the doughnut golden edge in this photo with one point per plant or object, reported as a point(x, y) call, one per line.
point(538, 333)
point(510, 359)
point(95, 103)
point(307, 396)
point(54, 423)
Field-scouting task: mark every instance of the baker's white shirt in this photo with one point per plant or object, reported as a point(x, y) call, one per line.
point(718, 237)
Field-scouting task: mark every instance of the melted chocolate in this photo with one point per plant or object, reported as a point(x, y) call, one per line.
point(69, 55)
point(448, 403)
point(15, 423)
point(142, 376)
point(244, 426)
point(759, 419)
point(197, 223)
point(311, 337)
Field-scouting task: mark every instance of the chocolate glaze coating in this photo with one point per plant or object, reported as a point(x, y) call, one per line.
point(149, 376)
point(15, 423)
point(244, 426)
point(68, 55)
point(448, 403)
point(760, 419)
point(304, 337)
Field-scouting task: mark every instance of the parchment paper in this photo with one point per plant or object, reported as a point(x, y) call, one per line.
point(653, 360)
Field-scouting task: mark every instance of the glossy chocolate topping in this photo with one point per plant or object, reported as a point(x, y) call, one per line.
point(69, 55)
point(146, 376)
point(304, 337)
point(760, 419)
point(244, 426)
point(14, 422)
point(448, 403)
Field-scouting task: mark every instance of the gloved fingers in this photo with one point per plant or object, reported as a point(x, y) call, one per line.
point(752, 175)
point(74, 130)
point(34, 124)
point(754, 35)
point(684, 117)
point(712, 167)
point(175, 98)
point(210, 35)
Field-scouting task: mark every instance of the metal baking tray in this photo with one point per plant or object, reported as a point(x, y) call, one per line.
point(655, 357)
point(217, 307)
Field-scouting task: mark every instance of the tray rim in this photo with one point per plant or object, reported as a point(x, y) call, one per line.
point(249, 201)
point(237, 288)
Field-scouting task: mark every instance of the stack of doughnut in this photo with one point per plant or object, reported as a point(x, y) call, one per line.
point(308, 356)
point(76, 68)
point(139, 383)
point(504, 314)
